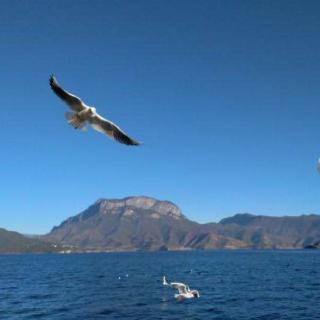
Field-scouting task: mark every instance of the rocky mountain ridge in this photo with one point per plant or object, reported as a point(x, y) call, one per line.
point(144, 223)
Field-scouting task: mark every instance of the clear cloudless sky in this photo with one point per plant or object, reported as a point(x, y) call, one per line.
point(224, 94)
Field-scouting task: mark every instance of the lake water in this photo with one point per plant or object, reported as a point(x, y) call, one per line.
point(232, 284)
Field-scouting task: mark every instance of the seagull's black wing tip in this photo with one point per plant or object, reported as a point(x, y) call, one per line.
point(136, 143)
point(123, 138)
point(52, 78)
point(128, 141)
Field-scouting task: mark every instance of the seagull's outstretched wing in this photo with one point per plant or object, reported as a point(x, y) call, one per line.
point(181, 287)
point(73, 101)
point(105, 126)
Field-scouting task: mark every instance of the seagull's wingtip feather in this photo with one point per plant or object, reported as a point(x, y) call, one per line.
point(137, 143)
point(52, 78)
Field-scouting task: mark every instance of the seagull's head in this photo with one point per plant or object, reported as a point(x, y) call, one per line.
point(195, 293)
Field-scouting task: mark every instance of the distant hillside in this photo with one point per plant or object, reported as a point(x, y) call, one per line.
point(274, 232)
point(143, 223)
point(14, 242)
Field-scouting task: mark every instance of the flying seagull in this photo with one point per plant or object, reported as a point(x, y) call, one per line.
point(82, 113)
point(184, 290)
point(318, 165)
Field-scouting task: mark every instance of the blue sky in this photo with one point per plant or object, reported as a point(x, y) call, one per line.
point(224, 94)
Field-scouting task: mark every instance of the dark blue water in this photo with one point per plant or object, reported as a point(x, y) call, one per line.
point(232, 284)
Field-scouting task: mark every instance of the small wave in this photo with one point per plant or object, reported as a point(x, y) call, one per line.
point(38, 315)
point(61, 309)
point(140, 304)
point(40, 296)
point(26, 311)
point(214, 310)
point(269, 316)
point(105, 311)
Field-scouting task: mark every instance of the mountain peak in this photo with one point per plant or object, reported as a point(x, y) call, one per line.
point(239, 218)
point(130, 223)
point(115, 206)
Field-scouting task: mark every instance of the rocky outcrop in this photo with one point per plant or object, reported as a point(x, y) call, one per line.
point(131, 223)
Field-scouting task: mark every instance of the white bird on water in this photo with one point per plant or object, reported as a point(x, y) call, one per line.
point(184, 290)
point(83, 113)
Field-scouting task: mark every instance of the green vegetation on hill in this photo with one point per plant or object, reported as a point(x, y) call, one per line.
point(14, 242)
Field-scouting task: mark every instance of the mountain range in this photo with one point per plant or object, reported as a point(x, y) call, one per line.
point(144, 223)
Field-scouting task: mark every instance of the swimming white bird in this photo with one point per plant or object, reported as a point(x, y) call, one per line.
point(184, 290)
point(83, 113)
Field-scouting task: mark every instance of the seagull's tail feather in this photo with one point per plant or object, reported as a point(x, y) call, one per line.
point(74, 121)
point(69, 115)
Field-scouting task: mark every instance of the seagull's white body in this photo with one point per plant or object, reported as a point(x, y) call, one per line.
point(184, 290)
point(82, 114)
